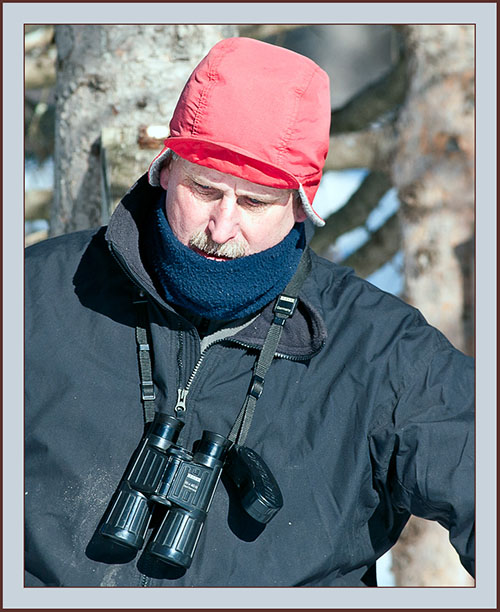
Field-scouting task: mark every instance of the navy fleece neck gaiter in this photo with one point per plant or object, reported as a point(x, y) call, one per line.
point(220, 289)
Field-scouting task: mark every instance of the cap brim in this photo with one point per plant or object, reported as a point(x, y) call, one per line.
point(230, 160)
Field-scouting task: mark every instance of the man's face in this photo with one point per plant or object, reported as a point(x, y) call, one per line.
point(221, 216)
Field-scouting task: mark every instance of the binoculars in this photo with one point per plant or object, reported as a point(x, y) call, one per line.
point(169, 475)
point(184, 482)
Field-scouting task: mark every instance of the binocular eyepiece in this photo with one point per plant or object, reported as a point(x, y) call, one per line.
point(169, 475)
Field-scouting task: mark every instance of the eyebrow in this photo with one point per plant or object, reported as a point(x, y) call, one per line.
point(246, 194)
point(257, 196)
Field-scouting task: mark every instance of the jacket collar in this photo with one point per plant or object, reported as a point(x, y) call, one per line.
point(303, 335)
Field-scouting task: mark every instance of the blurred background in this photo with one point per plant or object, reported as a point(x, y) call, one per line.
point(397, 191)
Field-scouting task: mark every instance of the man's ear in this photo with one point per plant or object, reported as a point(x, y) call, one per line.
point(300, 215)
point(298, 209)
point(165, 174)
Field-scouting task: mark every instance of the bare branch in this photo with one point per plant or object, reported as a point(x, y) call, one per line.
point(381, 248)
point(373, 148)
point(375, 100)
point(354, 213)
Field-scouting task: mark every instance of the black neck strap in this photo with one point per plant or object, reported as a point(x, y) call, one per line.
point(284, 308)
point(148, 394)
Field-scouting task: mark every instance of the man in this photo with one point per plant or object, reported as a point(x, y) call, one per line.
point(336, 414)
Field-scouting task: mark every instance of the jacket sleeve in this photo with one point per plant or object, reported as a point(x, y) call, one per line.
point(429, 445)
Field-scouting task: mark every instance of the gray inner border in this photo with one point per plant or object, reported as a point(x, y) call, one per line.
point(484, 16)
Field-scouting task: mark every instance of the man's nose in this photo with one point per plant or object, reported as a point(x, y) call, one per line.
point(223, 224)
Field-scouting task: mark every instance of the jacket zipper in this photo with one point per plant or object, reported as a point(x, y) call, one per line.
point(182, 393)
point(144, 580)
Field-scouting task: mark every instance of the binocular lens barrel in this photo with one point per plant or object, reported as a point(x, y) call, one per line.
point(128, 519)
point(176, 540)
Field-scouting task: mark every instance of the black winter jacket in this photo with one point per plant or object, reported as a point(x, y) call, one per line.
point(366, 417)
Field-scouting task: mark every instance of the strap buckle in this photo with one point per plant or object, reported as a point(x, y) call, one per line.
point(284, 308)
point(148, 391)
point(256, 386)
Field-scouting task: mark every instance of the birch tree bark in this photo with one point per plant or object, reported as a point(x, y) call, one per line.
point(433, 171)
point(115, 78)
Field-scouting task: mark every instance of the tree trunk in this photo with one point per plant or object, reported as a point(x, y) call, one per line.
point(434, 173)
point(118, 78)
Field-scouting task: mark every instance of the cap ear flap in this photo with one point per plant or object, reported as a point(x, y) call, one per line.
point(165, 174)
point(308, 209)
point(156, 165)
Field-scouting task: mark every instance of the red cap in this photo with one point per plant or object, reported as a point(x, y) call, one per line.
point(256, 111)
